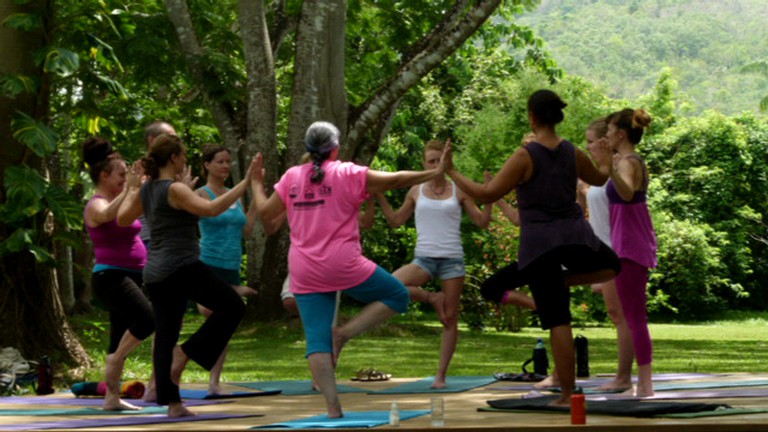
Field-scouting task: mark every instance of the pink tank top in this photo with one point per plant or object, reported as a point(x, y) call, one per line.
point(118, 246)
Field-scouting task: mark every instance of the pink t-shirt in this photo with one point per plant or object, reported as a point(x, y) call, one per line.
point(325, 253)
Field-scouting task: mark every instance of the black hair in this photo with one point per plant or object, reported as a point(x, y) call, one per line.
point(546, 107)
point(98, 155)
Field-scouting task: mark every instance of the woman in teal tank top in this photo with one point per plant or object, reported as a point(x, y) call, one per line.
point(221, 237)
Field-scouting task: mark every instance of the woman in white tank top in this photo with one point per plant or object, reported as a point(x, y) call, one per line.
point(437, 206)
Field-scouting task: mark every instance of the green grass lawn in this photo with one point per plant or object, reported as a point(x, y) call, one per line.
point(407, 346)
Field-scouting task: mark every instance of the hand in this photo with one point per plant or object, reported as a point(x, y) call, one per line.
point(446, 160)
point(617, 159)
point(135, 175)
point(187, 179)
point(256, 170)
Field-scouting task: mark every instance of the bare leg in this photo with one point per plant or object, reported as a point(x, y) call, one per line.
point(372, 315)
point(322, 367)
point(644, 381)
point(452, 289)
point(150, 395)
point(623, 379)
point(113, 371)
point(244, 291)
point(521, 299)
point(413, 276)
point(180, 360)
point(590, 278)
point(565, 363)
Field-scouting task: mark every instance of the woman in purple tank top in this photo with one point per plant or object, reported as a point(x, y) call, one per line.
point(632, 234)
point(120, 258)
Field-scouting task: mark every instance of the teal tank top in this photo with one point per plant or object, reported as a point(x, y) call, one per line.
point(221, 237)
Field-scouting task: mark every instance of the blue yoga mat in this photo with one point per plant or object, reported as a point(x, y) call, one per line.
point(296, 387)
point(79, 411)
point(454, 384)
point(358, 419)
point(98, 422)
point(203, 394)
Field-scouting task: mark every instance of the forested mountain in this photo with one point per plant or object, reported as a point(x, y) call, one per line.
point(622, 45)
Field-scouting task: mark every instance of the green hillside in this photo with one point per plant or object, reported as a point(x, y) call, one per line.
point(622, 45)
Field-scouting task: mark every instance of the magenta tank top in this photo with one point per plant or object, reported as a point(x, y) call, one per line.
point(632, 234)
point(118, 246)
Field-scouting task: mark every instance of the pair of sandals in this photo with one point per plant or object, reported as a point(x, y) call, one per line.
point(370, 374)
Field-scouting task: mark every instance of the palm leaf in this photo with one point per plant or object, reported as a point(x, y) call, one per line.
point(34, 134)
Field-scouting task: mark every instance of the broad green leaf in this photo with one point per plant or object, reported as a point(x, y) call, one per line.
point(20, 240)
point(114, 86)
point(61, 61)
point(25, 188)
point(34, 134)
point(108, 48)
point(65, 207)
point(23, 21)
point(41, 255)
point(13, 85)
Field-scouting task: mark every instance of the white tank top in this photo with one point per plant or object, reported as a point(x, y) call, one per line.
point(438, 226)
point(599, 215)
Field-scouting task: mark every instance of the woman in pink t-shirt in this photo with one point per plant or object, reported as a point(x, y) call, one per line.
point(322, 199)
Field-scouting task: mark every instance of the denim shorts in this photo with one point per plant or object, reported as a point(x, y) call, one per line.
point(442, 268)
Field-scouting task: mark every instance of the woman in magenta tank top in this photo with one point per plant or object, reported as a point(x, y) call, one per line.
point(120, 258)
point(632, 234)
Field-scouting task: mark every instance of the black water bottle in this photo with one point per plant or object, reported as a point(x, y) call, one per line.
point(540, 360)
point(44, 376)
point(582, 356)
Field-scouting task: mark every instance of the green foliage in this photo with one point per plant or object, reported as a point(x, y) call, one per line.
point(14, 85)
point(61, 62)
point(36, 135)
point(23, 21)
point(621, 46)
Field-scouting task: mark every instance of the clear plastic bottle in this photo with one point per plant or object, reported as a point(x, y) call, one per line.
point(394, 415)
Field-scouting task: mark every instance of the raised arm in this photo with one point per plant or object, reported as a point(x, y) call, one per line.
point(100, 211)
point(399, 217)
point(182, 197)
point(517, 169)
point(510, 212)
point(588, 172)
point(269, 208)
point(479, 217)
point(627, 176)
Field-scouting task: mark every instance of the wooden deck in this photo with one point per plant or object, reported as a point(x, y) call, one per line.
point(461, 413)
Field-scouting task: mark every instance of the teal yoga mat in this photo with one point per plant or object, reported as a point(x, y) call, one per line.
point(123, 421)
point(203, 394)
point(358, 419)
point(455, 384)
point(78, 411)
point(296, 387)
point(709, 385)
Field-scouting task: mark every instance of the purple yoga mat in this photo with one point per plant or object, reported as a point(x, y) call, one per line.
point(600, 381)
point(95, 402)
point(698, 394)
point(120, 421)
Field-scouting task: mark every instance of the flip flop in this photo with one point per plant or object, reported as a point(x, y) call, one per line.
point(371, 374)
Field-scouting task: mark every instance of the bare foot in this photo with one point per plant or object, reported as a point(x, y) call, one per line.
point(520, 299)
point(334, 409)
point(150, 395)
point(644, 391)
point(438, 384)
point(615, 387)
point(244, 291)
point(120, 405)
point(214, 390)
point(562, 401)
point(339, 340)
point(176, 409)
point(548, 382)
point(180, 360)
point(113, 369)
point(437, 300)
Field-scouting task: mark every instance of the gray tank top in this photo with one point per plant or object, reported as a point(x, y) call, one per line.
point(173, 232)
point(549, 214)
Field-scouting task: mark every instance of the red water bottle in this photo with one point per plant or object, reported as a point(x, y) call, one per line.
point(578, 407)
point(44, 376)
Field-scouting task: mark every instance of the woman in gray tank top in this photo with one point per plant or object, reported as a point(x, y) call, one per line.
point(174, 274)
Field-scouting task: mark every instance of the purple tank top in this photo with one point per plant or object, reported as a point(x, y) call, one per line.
point(118, 246)
point(632, 234)
point(549, 214)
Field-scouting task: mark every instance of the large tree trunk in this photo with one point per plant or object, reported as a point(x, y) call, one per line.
point(32, 317)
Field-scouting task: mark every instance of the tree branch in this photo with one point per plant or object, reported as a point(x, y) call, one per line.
point(455, 28)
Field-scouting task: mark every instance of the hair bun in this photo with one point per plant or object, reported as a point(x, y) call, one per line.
point(96, 149)
point(640, 118)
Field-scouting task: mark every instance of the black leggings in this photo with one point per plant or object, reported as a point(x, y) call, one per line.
point(169, 298)
point(128, 308)
point(546, 278)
